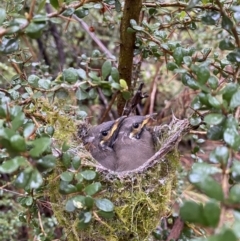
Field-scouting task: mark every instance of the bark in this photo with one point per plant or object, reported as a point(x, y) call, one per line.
point(132, 9)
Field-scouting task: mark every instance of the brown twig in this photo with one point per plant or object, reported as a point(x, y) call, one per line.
point(106, 112)
point(181, 5)
point(95, 38)
point(105, 102)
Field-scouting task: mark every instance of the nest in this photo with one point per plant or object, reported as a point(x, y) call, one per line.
point(141, 197)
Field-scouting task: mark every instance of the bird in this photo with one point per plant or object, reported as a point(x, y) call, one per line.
point(100, 140)
point(134, 144)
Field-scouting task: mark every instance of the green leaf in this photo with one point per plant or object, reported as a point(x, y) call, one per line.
point(227, 23)
point(234, 193)
point(18, 143)
point(191, 212)
point(200, 178)
point(76, 162)
point(126, 95)
point(178, 55)
point(12, 165)
point(81, 12)
point(65, 146)
point(85, 217)
point(55, 3)
point(192, 3)
point(23, 178)
point(171, 66)
point(18, 121)
point(189, 81)
point(106, 69)
point(29, 179)
point(82, 74)
point(204, 169)
point(187, 60)
point(229, 90)
point(40, 145)
point(68, 12)
point(89, 201)
point(79, 201)
point(236, 14)
point(235, 170)
point(28, 129)
point(123, 84)
point(88, 174)
point(133, 22)
point(210, 187)
point(70, 75)
point(96, 53)
point(93, 188)
point(215, 132)
point(115, 85)
point(115, 74)
point(8, 45)
point(234, 56)
point(235, 100)
point(41, 5)
point(211, 17)
point(81, 94)
point(92, 94)
point(226, 44)
point(211, 213)
point(66, 159)
point(214, 119)
point(106, 215)
point(33, 80)
point(104, 205)
point(213, 101)
point(138, 28)
point(203, 74)
point(44, 83)
point(35, 180)
point(224, 235)
point(66, 188)
point(47, 162)
point(213, 82)
point(69, 206)
point(34, 30)
point(118, 6)
point(67, 176)
point(231, 137)
point(195, 120)
point(196, 103)
point(219, 155)
point(2, 15)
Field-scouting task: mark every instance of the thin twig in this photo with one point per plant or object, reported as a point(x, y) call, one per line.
point(95, 38)
point(106, 112)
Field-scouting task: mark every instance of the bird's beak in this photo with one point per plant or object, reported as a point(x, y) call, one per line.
point(150, 119)
point(137, 132)
point(115, 130)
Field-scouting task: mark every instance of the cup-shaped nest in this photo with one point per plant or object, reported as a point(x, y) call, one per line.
point(140, 197)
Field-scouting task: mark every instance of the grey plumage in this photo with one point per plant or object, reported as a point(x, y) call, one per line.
point(134, 144)
point(100, 140)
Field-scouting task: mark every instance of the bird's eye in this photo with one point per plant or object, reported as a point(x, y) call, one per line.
point(104, 133)
point(135, 125)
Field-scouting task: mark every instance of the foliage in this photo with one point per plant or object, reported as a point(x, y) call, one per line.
point(51, 78)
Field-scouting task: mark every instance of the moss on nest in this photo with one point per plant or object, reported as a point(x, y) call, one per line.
point(141, 198)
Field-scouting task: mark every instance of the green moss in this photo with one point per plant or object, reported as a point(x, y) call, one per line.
point(141, 198)
point(140, 201)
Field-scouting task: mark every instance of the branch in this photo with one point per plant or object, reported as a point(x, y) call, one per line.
point(94, 38)
point(132, 9)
